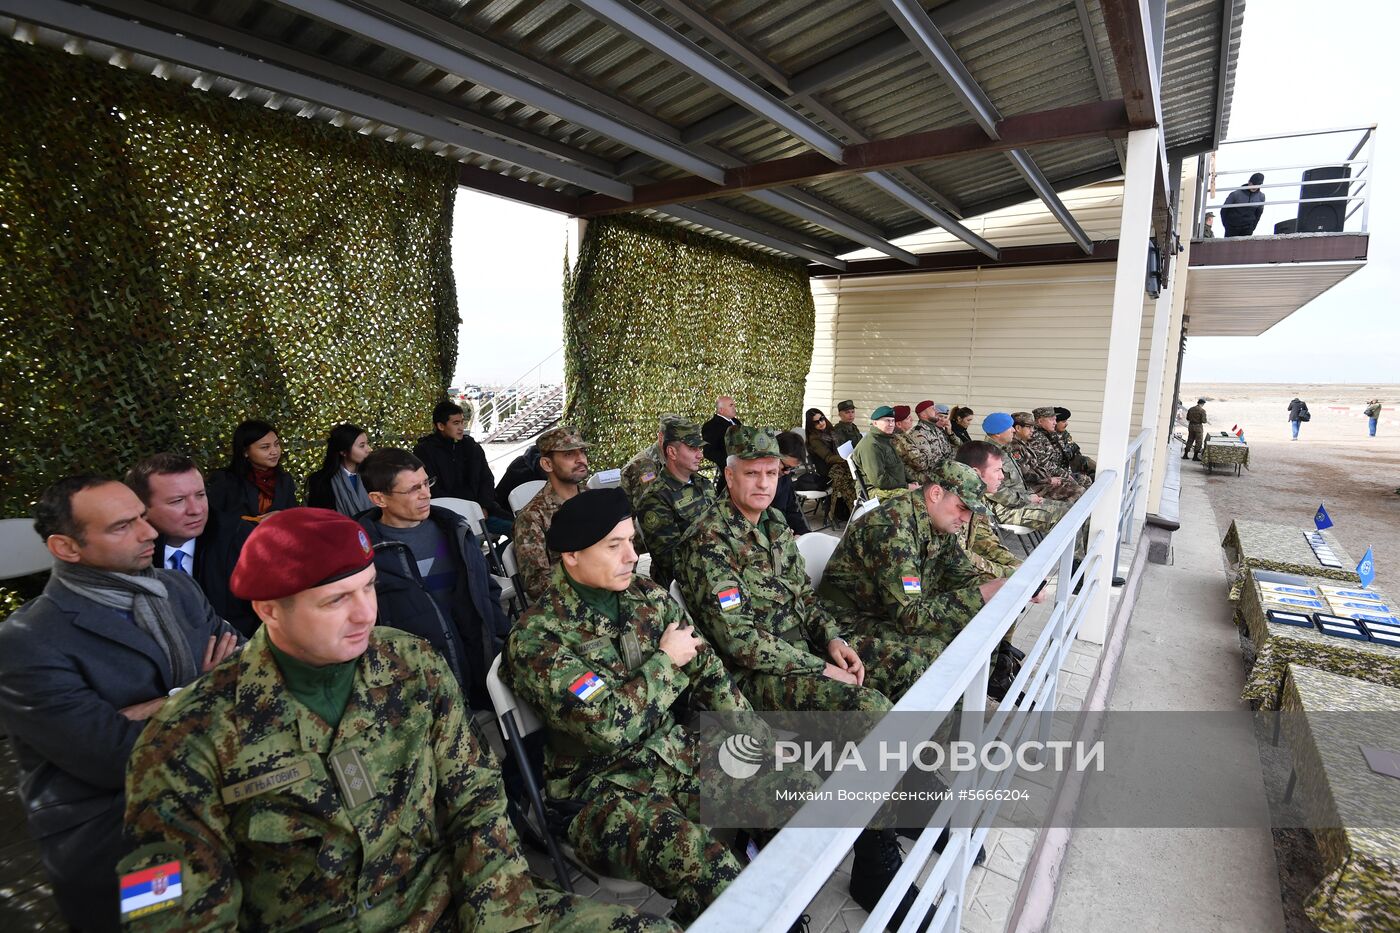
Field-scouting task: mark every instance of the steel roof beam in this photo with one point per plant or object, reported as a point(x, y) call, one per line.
point(694, 216)
point(914, 20)
point(433, 51)
point(645, 29)
point(858, 232)
point(102, 27)
point(731, 42)
point(196, 28)
point(1100, 119)
point(917, 204)
point(1227, 26)
point(1091, 45)
point(1039, 255)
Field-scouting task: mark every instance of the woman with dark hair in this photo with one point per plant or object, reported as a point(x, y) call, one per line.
point(961, 417)
point(254, 482)
point(830, 465)
point(337, 484)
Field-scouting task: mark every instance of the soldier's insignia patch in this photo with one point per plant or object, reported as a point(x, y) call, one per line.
point(729, 598)
point(912, 585)
point(150, 890)
point(587, 686)
point(648, 476)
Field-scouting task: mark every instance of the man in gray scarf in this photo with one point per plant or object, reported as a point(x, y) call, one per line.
point(82, 667)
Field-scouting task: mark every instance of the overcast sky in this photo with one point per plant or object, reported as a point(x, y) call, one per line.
point(1303, 65)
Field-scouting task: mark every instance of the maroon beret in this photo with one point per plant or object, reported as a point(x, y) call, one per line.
point(297, 549)
point(901, 412)
point(924, 405)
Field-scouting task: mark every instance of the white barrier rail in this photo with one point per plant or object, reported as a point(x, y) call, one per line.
point(792, 869)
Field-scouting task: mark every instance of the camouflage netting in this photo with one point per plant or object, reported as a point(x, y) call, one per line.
point(658, 319)
point(172, 262)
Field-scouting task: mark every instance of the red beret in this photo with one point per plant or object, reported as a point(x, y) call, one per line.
point(901, 412)
point(297, 549)
point(922, 406)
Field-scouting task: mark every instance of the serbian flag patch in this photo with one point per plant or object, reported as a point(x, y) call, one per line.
point(155, 888)
point(730, 598)
point(911, 585)
point(586, 686)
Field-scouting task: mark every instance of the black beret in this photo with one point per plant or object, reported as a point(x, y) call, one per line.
point(586, 519)
point(1061, 413)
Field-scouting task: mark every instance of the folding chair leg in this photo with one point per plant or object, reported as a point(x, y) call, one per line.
point(517, 747)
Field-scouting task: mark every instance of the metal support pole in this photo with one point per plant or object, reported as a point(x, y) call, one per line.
point(1121, 370)
point(1157, 368)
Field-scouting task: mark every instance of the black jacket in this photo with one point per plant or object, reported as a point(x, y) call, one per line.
point(236, 496)
point(460, 471)
point(1242, 211)
point(523, 469)
point(215, 554)
point(67, 668)
point(319, 494)
point(713, 433)
point(785, 500)
point(472, 638)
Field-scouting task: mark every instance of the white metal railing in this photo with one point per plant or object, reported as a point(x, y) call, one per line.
point(1309, 151)
point(1134, 479)
point(488, 414)
point(791, 870)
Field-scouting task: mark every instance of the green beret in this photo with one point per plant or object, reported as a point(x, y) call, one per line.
point(962, 481)
point(748, 443)
point(884, 411)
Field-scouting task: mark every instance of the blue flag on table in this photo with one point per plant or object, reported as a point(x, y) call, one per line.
point(1366, 570)
point(1322, 519)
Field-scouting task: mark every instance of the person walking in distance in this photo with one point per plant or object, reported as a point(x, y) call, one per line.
point(1373, 414)
point(1297, 414)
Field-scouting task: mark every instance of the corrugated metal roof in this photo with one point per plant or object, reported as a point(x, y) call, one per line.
point(1027, 57)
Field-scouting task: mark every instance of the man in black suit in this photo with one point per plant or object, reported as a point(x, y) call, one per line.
point(192, 538)
point(726, 416)
point(82, 667)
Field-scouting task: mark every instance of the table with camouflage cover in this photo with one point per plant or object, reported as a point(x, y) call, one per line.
point(1350, 809)
point(1224, 451)
point(1283, 548)
point(1278, 646)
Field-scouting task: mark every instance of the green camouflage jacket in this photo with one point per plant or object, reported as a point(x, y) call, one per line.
point(845, 431)
point(880, 465)
point(938, 442)
point(984, 549)
point(667, 509)
point(1042, 457)
point(532, 556)
point(233, 778)
point(897, 572)
point(639, 472)
point(610, 721)
point(1013, 493)
point(915, 457)
point(746, 587)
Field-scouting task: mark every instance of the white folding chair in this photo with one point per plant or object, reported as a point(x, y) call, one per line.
point(869, 505)
point(680, 600)
point(22, 552)
point(512, 593)
point(1026, 537)
point(521, 495)
point(816, 550)
point(476, 519)
point(605, 479)
point(517, 720)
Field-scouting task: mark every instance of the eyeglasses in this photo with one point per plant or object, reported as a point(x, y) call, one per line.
point(415, 488)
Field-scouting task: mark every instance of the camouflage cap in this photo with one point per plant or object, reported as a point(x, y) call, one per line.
point(749, 443)
point(963, 481)
point(685, 431)
point(1022, 419)
point(563, 437)
point(1044, 411)
point(668, 419)
point(846, 405)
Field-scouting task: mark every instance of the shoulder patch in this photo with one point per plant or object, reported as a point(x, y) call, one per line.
point(729, 596)
point(647, 477)
point(587, 687)
point(912, 585)
point(150, 890)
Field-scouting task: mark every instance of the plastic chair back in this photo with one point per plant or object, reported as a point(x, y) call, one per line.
point(21, 550)
point(521, 495)
point(816, 550)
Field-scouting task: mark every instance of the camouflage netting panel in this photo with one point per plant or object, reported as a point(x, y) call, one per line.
point(172, 262)
point(658, 319)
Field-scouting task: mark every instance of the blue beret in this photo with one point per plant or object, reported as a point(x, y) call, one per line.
point(996, 422)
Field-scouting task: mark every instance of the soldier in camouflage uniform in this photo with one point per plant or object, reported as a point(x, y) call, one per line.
point(1014, 503)
point(929, 439)
point(1078, 461)
point(1039, 463)
point(878, 461)
point(605, 658)
point(845, 429)
point(564, 461)
point(678, 496)
point(646, 464)
point(979, 539)
point(900, 569)
point(1057, 448)
point(327, 777)
point(906, 445)
point(745, 583)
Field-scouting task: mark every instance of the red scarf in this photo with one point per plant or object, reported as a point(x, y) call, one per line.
point(266, 481)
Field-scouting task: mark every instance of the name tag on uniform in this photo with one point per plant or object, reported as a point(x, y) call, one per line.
point(150, 890)
point(912, 585)
point(729, 598)
point(597, 644)
point(356, 786)
point(272, 780)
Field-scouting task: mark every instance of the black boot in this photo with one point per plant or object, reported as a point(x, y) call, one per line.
point(1197, 458)
point(1185, 455)
point(878, 857)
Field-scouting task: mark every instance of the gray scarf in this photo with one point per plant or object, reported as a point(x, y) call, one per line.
point(146, 598)
point(350, 498)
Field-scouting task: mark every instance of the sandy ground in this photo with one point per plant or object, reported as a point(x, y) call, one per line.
point(1332, 462)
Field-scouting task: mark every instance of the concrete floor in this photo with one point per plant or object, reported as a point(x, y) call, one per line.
point(1182, 653)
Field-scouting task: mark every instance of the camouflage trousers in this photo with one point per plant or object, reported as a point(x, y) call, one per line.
point(843, 487)
point(568, 913)
point(655, 837)
point(890, 668)
point(1066, 490)
point(1039, 518)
